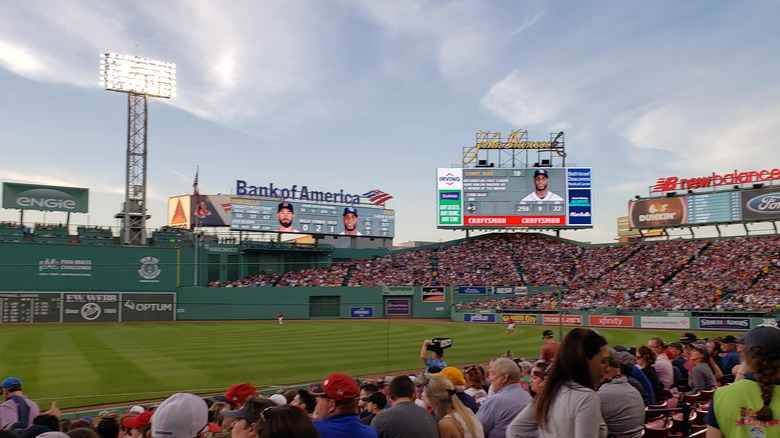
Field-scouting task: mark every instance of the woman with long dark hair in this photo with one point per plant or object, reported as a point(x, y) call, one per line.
point(568, 405)
point(751, 406)
point(645, 358)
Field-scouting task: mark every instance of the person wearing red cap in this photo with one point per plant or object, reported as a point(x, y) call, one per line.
point(235, 396)
point(138, 424)
point(336, 408)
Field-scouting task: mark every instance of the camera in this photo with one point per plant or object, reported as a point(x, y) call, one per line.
point(439, 344)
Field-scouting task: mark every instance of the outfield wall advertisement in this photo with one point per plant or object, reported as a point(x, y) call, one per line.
point(86, 307)
point(479, 198)
point(45, 198)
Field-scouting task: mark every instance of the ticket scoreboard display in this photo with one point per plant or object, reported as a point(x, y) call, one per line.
point(479, 198)
point(706, 208)
point(251, 214)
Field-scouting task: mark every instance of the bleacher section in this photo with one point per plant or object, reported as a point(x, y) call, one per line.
point(10, 232)
point(52, 234)
point(95, 236)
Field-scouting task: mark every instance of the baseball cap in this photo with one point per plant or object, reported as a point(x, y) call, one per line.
point(547, 333)
point(627, 358)
point(614, 358)
point(11, 381)
point(279, 399)
point(350, 210)
point(766, 337)
point(740, 340)
point(728, 339)
point(182, 415)
point(454, 374)
point(140, 421)
point(137, 409)
point(377, 398)
point(701, 346)
point(541, 172)
point(286, 205)
point(338, 386)
point(687, 338)
point(109, 413)
point(237, 393)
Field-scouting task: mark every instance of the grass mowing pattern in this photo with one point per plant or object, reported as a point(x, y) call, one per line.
point(88, 364)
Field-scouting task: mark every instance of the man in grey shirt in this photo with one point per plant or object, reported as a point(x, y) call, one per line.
point(621, 403)
point(404, 419)
point(499, 409)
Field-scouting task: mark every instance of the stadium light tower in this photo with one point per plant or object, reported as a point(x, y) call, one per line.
point(139, 78)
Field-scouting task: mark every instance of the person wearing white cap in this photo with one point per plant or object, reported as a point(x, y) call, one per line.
point(182, 415)
point(751, 406)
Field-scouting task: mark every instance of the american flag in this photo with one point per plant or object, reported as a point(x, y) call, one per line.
point(201, 210)
point(377, 197)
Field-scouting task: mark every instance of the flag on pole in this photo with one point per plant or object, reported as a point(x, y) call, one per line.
point(377, 197)
point(201, 211)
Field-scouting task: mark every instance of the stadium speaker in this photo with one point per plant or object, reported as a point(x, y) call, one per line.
point(736, 187)
point(758, 186)
point(671, 194)
point(637, 197)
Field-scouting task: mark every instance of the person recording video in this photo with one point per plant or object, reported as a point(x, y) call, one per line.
point(436, 361)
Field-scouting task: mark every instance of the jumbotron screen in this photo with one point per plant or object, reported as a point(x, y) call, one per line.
point(731, 206)
point(253, 214)
point(544, 197)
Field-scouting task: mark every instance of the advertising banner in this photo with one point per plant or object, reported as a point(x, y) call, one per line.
point(654, 213)
point(148, 307)
point(763, 204)
point(479, 317)
point(397, 290)
point(665, 322)
point(433, 294)
point(472, 290)
point(725, 323)
point(521, 319)
point(45, 198)
point(510, 290)
point(361, 312)
point(398, 306)
point(610, 321)
point(567, 319)
point(90, 307)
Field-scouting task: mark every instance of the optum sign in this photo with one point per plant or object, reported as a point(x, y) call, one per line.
point(47, 198)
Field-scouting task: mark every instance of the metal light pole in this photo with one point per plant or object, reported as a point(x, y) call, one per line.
point(139, 78)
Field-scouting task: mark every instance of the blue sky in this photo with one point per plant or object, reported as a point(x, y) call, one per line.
point(368, 94)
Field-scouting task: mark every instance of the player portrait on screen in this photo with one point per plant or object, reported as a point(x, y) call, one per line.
point(350, 222)
point(541, 179)
point(286, 215)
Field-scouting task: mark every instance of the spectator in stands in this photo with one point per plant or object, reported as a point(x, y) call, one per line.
point(404, 419)
point(285, 422)
point(750, 407)
point(509, 398)
point(438, 357)
point(17, 411)
point(235, 397)
point(623, 410)
point(182, 415)
point(336, 408)
point(568, 405)
point(81, 432)
point(375, 403)
point(106, 428)
point(662, 365)
point(538, 375)
point(714, 346)
point(645, 358)
point(454, 419)
point(304, 401)
point(678, 362)
point(474, 379)
point(550, 348)
point(139, 424)
point(247, 416)
point(741, 370)
point(456, 377)
point(702, 375)
point(730, 358)
point(628, 368)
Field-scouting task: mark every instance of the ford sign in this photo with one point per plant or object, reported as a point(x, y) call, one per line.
point(768, 203)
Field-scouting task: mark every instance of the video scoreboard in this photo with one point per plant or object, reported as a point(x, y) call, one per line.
point(251, 214)
point(479, 198)
point(706, 208)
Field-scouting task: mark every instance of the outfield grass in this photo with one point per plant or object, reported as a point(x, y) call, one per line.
point(88, 364)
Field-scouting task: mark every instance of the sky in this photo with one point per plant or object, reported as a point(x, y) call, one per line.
point(360, 95)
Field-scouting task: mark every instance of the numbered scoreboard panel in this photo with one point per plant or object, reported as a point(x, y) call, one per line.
point(310, 218)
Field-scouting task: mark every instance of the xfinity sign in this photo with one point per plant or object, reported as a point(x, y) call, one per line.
point(45, 198)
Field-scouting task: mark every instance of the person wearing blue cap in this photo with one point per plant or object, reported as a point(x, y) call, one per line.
point(541, 179)
point(286, 214)
point(17, 411)
point(350, 217)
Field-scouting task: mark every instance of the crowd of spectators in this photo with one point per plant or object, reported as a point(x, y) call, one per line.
point(738, 273)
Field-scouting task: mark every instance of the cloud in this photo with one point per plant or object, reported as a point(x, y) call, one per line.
point(524, 100)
